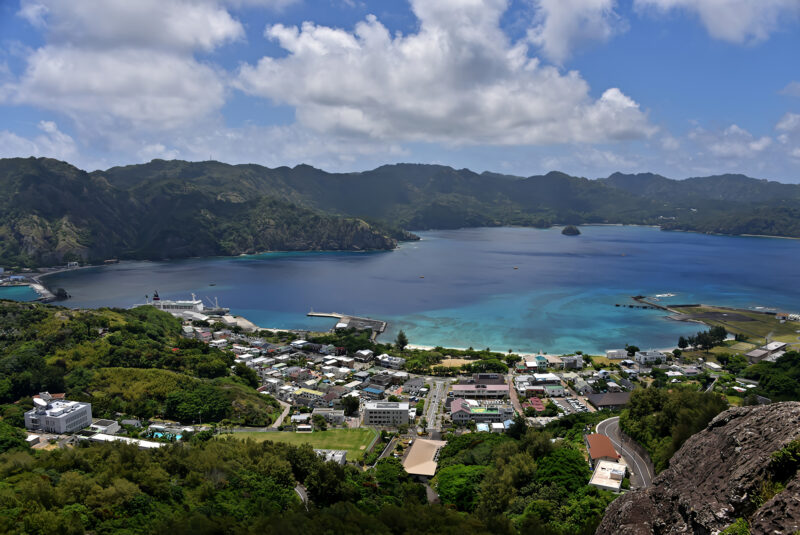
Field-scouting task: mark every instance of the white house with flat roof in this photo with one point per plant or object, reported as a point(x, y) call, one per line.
point(649, 357)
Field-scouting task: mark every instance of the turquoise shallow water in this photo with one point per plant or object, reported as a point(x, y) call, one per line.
point(460, 288)
point(17, 293)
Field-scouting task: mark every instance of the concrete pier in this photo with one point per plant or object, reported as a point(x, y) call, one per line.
point(354, 322)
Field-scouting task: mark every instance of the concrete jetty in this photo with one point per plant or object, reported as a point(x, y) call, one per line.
point(347, 321)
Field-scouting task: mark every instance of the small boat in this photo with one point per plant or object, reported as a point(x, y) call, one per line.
point(213, 284)
point(421, 276)
point(515, 267)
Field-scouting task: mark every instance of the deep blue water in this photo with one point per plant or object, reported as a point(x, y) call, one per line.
point(561, 298)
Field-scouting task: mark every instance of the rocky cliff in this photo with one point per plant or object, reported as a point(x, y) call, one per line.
point(726, 472)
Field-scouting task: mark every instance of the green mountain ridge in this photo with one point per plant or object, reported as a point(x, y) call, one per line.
point(51, 212)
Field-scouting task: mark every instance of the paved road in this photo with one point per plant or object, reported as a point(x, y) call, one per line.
point(434, 398)
point(512, 393)
point(301, 492)
point(641, 472)
point(283, 415)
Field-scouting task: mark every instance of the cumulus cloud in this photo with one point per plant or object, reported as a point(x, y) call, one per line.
point(142, 89)
point(171, 24)
point(733, 142)
point(790, 122)
point(457, 80)
point(113, 65)
point(563, 25)
point(792, 89)
point(51, 142)
point(736, 21)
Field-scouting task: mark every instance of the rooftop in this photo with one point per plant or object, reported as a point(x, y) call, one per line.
point(600, 446)
point(608, 475)
point(423, 457)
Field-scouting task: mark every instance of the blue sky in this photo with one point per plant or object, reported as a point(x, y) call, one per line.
point(589, 87)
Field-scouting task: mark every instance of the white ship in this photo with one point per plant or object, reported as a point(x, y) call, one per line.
point(182, 306)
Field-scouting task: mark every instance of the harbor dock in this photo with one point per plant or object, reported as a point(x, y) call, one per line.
point(347, 321)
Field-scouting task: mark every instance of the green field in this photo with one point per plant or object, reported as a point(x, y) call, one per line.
point(355, 441)
point(754, 325)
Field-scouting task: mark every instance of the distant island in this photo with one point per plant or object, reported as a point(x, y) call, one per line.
point(52, 212)
point(570, 230)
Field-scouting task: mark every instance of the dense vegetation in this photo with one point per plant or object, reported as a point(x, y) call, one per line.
point(661, 420)
point(531, 482)
point(132, 362)
point(51, 212)
point(217, 486)
point(779, 381)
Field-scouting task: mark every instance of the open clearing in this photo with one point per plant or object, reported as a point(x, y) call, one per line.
point(454, 363)
point(755, 325)
point(355, 441)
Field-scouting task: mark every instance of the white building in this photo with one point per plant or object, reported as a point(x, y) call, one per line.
point(387, 361)
point(57, 416)
point(385, 413)
point(617, 354)
point(364, 355)
point(649, 357)
point(572, 362)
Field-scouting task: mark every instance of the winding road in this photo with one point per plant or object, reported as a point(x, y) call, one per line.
point(641, 469)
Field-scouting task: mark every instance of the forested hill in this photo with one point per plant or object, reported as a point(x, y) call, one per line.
point(51, 211)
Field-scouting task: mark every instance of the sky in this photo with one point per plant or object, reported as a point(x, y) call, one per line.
point(588, 87)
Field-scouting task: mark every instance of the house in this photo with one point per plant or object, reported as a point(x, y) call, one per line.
point(554, 391)
point(546, 379)
point(364, 355)
point(373, 392)
point(333, 456)
point(582, 387)
point(572, 362)
point(53, 415)
point(600, 448)
point(413, 386)
point(713, 367)
point(482, 428)
point(612, 400)
point(352, 385)
point(307, 397)
point(303, 418)
point(765, 352)
point(387, 361)
point(608, 475)
point(615, 354)
point(332, 416)
point(498, 427)
point(649, 357)
point(603, 374)
point(385, 413)
point(109, 427)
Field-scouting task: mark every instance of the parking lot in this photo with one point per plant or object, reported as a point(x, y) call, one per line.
point(570, 405)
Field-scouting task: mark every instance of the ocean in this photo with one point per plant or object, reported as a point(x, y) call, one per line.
point(523, 289)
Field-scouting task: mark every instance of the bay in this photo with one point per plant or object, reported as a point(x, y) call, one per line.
point(460, 288)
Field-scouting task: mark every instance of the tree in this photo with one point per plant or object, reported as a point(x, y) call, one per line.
point(248, 374)
point(320, 423)
point(683, 343)
point(401, 341)
point(393, 398)
point(350, 405)
point(632, 350)
point(11, 438)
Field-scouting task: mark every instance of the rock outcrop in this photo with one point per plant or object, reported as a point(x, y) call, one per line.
point(717, 477)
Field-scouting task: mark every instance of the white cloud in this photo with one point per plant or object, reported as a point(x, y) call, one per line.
point(131, 87)
point(457, 80)
point(51, 143)
point(792, 89)
point(563, 25)
point(789, 123)
point(733, 142)
point(169, 24)
point(737, 21)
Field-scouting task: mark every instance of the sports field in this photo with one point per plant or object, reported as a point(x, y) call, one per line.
point(355, 441)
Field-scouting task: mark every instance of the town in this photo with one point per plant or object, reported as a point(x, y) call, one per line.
point(355, 406)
